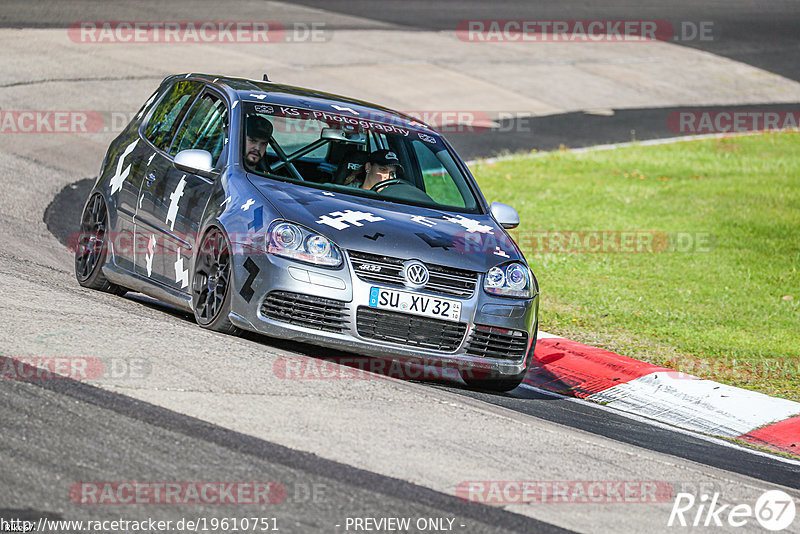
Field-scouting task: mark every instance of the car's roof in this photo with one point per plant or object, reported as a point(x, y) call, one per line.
point(300, 97)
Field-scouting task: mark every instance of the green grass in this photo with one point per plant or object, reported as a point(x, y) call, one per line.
point(726, 307)
point(442, 189)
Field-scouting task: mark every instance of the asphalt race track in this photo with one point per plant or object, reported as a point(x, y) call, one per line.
point(179, 404)
point(762, 36)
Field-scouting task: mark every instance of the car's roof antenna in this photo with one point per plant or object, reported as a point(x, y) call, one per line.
point(266, 78)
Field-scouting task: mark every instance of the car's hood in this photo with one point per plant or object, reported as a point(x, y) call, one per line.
point(465, 241)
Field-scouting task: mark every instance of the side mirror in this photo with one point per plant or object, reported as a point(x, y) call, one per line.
point(195, 162)
point(505, 215)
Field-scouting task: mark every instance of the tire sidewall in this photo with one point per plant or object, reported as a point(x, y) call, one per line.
point(95, 278)
point(221, 322)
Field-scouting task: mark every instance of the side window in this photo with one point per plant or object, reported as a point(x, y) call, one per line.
point(169, 112)
point(204, 128)
point(438, 183)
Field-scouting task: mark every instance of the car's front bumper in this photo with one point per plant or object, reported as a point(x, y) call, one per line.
point(266, 277)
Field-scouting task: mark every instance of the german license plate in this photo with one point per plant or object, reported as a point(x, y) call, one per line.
point(402, 301)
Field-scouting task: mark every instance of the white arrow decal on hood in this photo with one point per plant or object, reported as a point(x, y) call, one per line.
point(341, 220)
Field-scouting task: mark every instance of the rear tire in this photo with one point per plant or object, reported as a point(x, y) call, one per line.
point(91, 250)
point(212, 283)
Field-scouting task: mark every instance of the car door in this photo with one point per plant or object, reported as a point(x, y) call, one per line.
point(178, 198)
point(125, 173)
point(158, 133)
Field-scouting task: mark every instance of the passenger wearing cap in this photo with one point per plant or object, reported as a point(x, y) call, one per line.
point(381, 166)
point(258, 131)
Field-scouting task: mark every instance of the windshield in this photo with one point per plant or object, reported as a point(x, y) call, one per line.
point(346, 153)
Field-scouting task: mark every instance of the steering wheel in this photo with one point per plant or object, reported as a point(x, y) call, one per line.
point(381, 185)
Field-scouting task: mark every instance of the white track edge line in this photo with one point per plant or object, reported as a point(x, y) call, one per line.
point(665, 426)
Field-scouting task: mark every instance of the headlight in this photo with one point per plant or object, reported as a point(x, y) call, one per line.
point(286, 236)
point(511, 280)
point(292, 241)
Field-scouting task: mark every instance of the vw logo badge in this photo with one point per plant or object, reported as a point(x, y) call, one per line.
point(415, 274)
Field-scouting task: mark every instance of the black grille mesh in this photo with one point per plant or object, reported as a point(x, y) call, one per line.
point(306, 310)
point(498, 343)
point(409, 330)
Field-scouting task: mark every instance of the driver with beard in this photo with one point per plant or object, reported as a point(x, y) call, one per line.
point(258, 133)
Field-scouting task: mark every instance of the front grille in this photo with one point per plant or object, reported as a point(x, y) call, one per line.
point(410, 330)
point(498, 343)
point(387, 270)
point(306, 310)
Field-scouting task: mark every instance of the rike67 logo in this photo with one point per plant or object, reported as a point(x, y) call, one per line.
point(774, 510)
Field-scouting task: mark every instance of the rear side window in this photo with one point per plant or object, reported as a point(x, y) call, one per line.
point(169, 113)
point(204, 128)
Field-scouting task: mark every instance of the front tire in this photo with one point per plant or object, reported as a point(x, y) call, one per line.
point(91, 250)
point(212, 283)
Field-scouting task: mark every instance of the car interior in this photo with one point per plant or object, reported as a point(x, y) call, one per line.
point(318, 153)
point(328, 158)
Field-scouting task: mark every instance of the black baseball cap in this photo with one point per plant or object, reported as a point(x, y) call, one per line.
point(258, 127)
point(384, 157)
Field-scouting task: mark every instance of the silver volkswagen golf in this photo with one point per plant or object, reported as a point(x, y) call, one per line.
point(310, 216)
